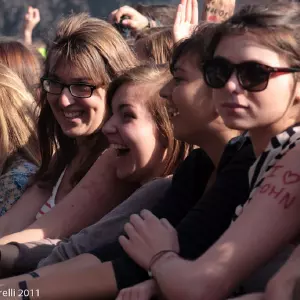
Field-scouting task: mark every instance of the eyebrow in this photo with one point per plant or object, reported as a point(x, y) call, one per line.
point(123, 106)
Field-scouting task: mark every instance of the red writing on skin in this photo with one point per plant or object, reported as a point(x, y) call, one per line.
point(280, 194)
point(212, 18)
point(290, 177)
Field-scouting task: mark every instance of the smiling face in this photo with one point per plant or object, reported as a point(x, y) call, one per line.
point(190, 105)
point(244, 110)
point(132, 131)
point(77, 117)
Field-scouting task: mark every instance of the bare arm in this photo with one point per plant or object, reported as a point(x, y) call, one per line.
point(83, 277)
point(269, 222)
point(93, 197)
point(23, 213)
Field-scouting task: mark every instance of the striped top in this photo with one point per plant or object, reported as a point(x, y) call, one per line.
point(277, 148)
point(51, 201)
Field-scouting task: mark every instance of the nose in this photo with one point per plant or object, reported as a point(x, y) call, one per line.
point(233, 84)
point(110, 127)
point(65, 98)
point(166, 91)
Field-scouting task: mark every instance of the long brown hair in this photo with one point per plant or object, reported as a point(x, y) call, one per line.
point(95, 47)
point(154, 77)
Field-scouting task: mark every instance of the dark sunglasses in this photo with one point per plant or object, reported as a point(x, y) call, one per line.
point(251, 75)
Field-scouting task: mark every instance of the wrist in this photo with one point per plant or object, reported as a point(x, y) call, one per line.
point(28, 32)
point(159, 259)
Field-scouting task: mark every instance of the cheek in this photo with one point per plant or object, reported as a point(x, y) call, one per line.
point(217, 96)
point(146, 144)
point(277, 96)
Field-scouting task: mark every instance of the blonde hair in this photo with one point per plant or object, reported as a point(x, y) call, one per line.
point(17, 119)
point(154, 78)
point(97, 49)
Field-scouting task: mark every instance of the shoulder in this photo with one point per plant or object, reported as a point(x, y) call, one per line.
point(196, 161)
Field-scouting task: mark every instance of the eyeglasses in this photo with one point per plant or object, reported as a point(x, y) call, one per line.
point(251, 75)
point(78, 90)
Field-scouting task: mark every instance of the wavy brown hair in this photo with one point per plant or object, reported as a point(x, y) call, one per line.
point(95, 47)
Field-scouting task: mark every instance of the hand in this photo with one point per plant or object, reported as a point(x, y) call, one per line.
point(136, 20)
point(142, 291)
point(147, 235)
point(32, 18)
point(186, 19)
point(256, 296)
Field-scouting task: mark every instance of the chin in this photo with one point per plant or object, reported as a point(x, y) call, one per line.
point(238, 124)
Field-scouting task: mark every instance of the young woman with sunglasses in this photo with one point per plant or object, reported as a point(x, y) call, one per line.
point(253, 66)
point(70, 191)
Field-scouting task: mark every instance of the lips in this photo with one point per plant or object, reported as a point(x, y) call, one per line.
point(233, 105)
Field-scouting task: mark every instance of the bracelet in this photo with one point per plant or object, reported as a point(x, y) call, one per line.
point(34, 274)
point(23, 288)
point(156, 257)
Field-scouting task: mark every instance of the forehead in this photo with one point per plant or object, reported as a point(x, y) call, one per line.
point(239, 48)
point(188, 65)
point(66, 70)
point(135, 95)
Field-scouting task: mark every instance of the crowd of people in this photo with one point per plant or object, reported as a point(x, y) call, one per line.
point(153, 155)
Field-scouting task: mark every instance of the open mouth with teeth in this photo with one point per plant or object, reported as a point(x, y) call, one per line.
point(120, 149)
point(73, 114)
point(173, 112)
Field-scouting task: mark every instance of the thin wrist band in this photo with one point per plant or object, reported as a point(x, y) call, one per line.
point(156, 257)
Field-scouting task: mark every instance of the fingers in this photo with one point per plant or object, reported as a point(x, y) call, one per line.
point(195, 12)
point(36, 13)
point(178, 16)
point(111, 17)
point(183, 11)
point(137, 222)
point(130, 23)
point(116, 15)
point(188, 11)
point(167, 225)
point(148, 215)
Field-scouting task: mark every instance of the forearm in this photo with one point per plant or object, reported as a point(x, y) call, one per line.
point(69, 266)
point(27, 37)
point(25, 236)
point(90, 282)
point(207, 284)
